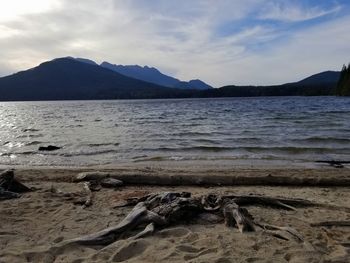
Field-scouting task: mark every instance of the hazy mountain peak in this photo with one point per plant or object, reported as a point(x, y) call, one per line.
point(86, 60)
point(153, 75)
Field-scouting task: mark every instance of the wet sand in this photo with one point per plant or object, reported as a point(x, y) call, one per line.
point(33, 224)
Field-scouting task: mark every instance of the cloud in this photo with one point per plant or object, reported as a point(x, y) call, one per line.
point(222, 43)
point(288, 12)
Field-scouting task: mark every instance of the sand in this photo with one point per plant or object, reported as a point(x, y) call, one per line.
point(33, 225)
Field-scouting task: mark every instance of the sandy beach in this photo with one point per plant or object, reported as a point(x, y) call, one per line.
point(33, 225)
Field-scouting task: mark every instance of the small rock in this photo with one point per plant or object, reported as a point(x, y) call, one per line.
point(49, 148)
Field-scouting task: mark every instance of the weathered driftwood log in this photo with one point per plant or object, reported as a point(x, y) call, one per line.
point(218, 180)
point(169, 208)
point(10, 187)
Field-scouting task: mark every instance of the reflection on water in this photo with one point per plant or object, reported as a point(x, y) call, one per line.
point(108, 132)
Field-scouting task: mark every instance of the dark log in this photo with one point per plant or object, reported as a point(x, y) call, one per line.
point(4, 195)
point(9, 183)
point(49, 148)
point(10, 187)
point(331, 223)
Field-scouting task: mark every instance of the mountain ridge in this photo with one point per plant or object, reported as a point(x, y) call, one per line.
point(68, 79)
point(153, 75)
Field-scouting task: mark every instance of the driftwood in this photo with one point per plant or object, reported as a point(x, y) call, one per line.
point(97, 180)
point(161, 210)
point(49, 148)
point(10, 187)
point(218, 180)
point(335, 163)
point(331, 223)
point(84, 197)
point(89, 195)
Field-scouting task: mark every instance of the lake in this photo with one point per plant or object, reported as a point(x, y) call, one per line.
point(269, 129)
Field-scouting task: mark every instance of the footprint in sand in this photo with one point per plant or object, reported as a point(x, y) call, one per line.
point(174, 232)
point(130, 250)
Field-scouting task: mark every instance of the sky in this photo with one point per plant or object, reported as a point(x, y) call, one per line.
point(242, 42)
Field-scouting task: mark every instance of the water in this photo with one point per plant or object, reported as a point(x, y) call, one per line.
point(294, 129)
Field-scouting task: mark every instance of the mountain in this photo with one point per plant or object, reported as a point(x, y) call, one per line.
point(68, 79)
point(145, 73)
point(72, 79)
point(327, 77)
point(321, 84)
point(192, 84)
point(85, 60)
point(153, 75)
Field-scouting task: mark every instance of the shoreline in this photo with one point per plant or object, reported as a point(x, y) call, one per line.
point(230, 174)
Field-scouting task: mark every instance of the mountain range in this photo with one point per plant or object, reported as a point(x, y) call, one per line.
point(150, 74)
point(83, 79)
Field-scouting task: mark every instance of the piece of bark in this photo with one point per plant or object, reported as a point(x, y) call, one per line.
point(89, 195)
point(237, 216)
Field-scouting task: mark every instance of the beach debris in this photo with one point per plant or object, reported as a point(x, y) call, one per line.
point(10, 187)
point(84, 197)
point(49, 148)
point(331, 223)
point(164, 209)
point(89, 195)
point(98, 180)
point(89, 176)
point(335, 163)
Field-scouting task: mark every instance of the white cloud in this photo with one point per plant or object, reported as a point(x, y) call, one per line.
point(288, 12)
point(15, 8)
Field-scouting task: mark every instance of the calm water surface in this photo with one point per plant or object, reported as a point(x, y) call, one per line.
point(296, 129)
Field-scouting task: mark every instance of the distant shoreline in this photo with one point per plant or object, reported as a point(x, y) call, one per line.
point(186, 98)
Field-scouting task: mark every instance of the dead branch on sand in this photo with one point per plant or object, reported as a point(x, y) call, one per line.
point(161, 210)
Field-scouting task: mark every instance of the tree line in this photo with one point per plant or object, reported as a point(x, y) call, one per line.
point(343, 87)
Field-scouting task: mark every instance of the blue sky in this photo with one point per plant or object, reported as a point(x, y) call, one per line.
point(222, 42)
